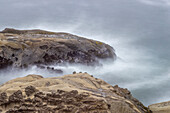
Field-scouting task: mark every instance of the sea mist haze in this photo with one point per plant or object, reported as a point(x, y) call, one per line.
point(138, 30)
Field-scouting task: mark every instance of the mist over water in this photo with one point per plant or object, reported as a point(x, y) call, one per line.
point(137, 29)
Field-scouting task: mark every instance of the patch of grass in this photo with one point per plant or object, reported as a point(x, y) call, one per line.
point(35, 31)
point(99, 43)
point(44, 32)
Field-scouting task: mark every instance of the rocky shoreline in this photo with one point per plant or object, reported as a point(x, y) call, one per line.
point(22, 48)
point(75, 93)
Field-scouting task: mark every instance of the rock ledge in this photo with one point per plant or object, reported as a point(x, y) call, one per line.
point(76, 93)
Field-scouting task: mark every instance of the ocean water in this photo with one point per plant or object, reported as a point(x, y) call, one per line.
point(137, 29)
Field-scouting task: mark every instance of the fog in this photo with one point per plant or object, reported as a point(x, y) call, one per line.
point(137, 29)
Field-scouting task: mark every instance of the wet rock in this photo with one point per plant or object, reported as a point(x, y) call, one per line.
point(41, 67)
point(74, 72)
point(58, 71)
point(4, 62)
point(38, 47)
point(52, 69)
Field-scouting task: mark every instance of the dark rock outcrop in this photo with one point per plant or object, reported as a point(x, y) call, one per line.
point(22, 48)
point(76, 93)
point(30, 90)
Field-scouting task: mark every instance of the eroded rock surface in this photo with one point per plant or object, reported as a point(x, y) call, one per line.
point(22, 48)
point(163, 107)
point(76, 93)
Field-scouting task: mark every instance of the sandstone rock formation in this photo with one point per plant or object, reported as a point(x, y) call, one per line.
point(163, 107)
point(76, 93)
point(22, 48)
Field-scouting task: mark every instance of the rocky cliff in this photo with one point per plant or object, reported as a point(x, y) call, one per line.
point(21, 48)
point(75, 93)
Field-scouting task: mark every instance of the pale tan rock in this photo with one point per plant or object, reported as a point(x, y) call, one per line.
point(163, 107)
point(76, 93)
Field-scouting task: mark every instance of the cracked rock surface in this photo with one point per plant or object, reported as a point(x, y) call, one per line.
point(75, 93)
